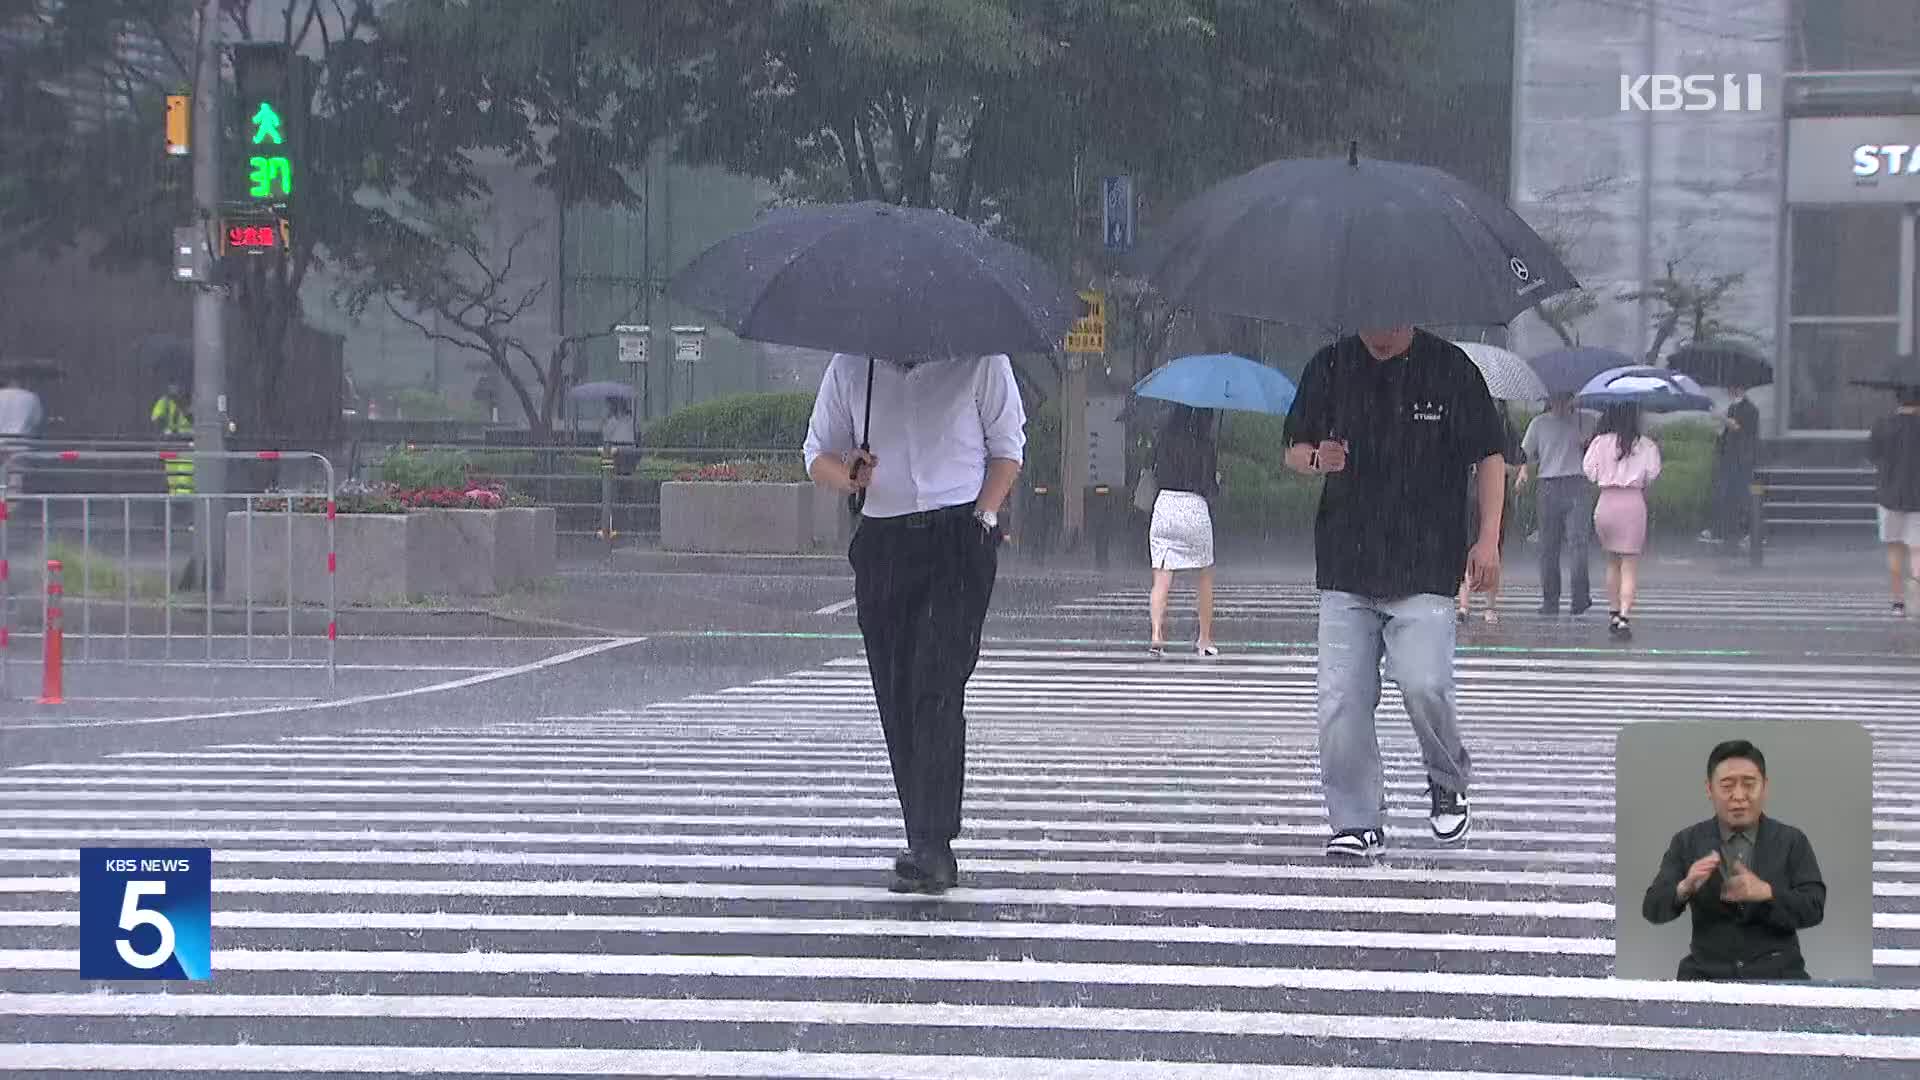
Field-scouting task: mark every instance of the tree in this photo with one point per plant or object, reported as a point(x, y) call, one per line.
point(984, 107)
point(1564, 217)
point(440, 266)
point(1693, 302)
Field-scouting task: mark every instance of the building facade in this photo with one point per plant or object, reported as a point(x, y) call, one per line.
point(1636, 190)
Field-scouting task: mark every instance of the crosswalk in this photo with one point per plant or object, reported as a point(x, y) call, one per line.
point(1720, 606)
point(696, 888)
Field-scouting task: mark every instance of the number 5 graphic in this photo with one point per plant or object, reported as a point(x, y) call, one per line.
point(133, 916)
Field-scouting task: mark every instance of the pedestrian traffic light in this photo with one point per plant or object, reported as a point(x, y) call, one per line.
point(267, 150)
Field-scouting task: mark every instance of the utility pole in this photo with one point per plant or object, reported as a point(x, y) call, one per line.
point(209, 332)
point(1073, 410)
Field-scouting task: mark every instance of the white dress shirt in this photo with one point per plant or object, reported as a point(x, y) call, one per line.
point(935, 425)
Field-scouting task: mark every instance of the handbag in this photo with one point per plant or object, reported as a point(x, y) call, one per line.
point(1146, 491)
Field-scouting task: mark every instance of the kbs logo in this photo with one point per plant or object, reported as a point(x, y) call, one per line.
point(1690, 93)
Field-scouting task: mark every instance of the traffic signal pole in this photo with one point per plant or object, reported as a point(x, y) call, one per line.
point(209, 330)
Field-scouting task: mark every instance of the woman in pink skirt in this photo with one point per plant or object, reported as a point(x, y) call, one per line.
point(1622, 461)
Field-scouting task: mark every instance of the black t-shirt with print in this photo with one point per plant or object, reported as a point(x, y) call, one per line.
point(1390, 524)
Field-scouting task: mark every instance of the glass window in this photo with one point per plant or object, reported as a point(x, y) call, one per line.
point(1846, 260)
point(1824, 359)
point(1856, 35)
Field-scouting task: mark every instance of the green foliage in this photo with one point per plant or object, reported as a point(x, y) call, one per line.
point(414, 471)
point(740, 422)
point(783, 470)
point(1678, 503)
point(981, 107)
point(85, 573)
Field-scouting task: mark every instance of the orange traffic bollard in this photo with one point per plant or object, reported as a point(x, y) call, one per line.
point(52, 682)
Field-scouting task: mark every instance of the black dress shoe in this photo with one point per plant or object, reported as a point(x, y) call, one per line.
point(930, 870)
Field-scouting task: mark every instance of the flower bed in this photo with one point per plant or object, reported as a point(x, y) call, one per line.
point(392, 544)
point(756, 507)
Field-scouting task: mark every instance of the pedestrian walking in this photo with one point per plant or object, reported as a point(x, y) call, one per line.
point(1555, 446)
point(1622, 462)
point(1894, 446)
point(1736, 455)
point(946, 438)
point(1394, 420)
point(1186, 466)
point(1514, 456)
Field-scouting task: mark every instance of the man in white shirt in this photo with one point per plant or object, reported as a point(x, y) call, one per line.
point(947, 440)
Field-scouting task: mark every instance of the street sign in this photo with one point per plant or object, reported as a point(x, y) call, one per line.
point(179, 111)
point(1117, 212)
point(687, 343)
point(633, 343)
point(1089, 332)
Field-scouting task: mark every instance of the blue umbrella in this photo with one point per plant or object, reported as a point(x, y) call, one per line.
point(1220, 381)
point(1568, 371)
point(1653, 389)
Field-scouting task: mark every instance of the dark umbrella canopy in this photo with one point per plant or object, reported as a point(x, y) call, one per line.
point(1721, 363)
point(878, 280)
point(1348, 244)
point(1567, 371)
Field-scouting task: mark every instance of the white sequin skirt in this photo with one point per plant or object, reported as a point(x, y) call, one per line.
point(1182, 534)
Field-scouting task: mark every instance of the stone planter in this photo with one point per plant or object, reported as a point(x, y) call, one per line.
point(752, 518)
point(385, 558)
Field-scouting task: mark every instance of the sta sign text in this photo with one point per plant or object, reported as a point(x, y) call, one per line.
point(1898, 159)
point(1690, 93)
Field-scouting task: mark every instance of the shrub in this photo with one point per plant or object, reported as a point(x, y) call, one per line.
point(743, 421)
point(762, 471)
point(413, 470)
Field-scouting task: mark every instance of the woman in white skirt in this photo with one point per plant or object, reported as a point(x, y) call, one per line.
point(1186, 467)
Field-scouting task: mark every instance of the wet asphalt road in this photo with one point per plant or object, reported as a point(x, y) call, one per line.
point(644, 837)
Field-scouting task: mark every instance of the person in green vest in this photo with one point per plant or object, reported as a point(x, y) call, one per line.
point(174, 422)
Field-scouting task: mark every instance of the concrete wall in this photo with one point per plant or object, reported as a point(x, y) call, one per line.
point(1630, 190)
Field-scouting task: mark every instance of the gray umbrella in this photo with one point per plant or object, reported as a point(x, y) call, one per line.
point(1346, 244)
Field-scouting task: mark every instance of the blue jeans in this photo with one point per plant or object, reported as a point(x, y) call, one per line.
point(1415, 634)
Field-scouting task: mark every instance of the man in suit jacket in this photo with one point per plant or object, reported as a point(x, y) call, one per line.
point(1752, 882)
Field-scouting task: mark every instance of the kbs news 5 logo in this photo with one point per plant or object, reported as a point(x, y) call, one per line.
point(146, 913)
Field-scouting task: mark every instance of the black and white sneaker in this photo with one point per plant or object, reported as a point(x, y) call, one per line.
point(1357, 844)
point(1451, 818)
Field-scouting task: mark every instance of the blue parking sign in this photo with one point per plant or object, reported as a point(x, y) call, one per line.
point(146, 913)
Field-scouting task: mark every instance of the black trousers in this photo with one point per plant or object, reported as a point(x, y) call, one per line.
point(921, 584)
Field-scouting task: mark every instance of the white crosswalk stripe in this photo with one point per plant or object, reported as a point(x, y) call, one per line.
point(695, 888)
point(1658, 602)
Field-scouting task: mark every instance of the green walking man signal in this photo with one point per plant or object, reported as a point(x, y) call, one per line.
point(266, 125)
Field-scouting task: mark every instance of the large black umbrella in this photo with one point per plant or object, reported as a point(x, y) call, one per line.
point(1721, 363)
point(1568, 371)
point(878, 280)
point(1347, 244)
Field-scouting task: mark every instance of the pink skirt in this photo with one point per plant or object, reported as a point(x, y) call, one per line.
point(1620, 519)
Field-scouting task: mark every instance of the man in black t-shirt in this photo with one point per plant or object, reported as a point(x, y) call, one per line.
point(1736, 456)
point(1394, 420)
point(1894, 446)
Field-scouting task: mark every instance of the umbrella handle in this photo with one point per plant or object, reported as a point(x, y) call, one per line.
point(857, 501)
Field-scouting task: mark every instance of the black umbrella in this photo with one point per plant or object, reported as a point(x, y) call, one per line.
point(1347, 244)
point(878, 280)
point(1568, 371)
point(1721, 363)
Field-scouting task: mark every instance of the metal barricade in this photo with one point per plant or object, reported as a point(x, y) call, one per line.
point(115, 590)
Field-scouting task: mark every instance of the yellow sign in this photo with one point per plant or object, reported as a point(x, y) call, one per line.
point(179, 107)
point(1089, 331)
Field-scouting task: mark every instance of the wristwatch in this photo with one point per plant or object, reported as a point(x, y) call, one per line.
point(988, 519)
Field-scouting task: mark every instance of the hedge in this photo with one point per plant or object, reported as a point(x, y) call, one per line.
point(1261, 497)
point(742, 421)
